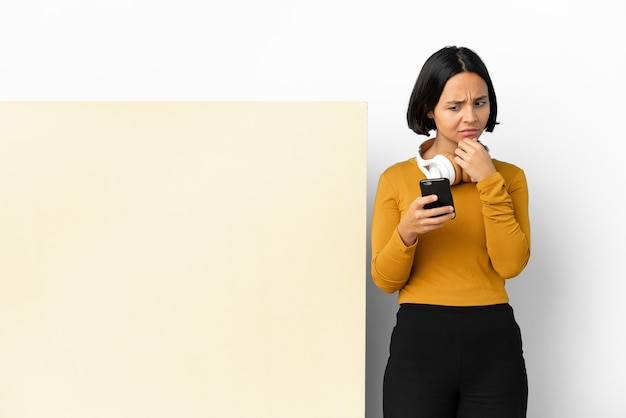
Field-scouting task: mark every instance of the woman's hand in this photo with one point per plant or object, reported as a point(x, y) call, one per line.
point(417, 220)
point(474, 159)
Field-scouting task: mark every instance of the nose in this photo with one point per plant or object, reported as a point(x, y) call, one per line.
point(469, 114)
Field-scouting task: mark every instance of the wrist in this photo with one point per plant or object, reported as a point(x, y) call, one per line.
point(408, 238)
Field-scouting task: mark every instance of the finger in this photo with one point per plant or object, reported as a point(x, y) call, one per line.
point(420, 202)
point(464, 146)
point(440, 212)
point(469, 143)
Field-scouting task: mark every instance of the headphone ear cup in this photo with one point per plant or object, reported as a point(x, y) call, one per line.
point(448, 168)
point(441, 165)
point(460, 175)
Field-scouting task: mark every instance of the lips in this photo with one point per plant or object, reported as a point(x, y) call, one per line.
point(469, 132)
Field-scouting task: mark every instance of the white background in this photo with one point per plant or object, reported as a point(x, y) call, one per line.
point(557, 67)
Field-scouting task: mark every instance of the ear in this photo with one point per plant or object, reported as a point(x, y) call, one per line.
point(429, 114)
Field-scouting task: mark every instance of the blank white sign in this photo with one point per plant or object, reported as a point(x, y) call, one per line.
point(182, 259)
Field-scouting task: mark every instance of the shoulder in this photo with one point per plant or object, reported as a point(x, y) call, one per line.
point(402, 169)
point(400, 183)
point(507, 169)
point(510, 172)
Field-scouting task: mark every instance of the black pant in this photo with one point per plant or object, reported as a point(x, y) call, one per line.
point(455, 362)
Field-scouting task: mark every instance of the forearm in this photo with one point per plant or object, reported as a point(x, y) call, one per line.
point(391, 266)
point(507, 245)
point(507, 231)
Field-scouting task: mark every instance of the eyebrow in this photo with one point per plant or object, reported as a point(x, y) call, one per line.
point(463, 101)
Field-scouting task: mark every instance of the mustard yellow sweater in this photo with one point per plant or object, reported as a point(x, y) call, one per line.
point(464, 263)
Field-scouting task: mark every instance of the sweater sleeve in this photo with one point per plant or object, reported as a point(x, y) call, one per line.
point(391, 258)
point(507, 225)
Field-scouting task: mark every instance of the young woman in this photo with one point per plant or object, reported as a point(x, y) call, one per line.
point(456, 349)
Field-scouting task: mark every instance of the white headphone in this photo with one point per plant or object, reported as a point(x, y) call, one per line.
point(441, 165)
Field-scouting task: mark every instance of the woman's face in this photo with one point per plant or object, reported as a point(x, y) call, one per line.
point(462, 110)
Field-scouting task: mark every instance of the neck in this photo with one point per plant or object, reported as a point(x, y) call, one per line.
point(434, 146)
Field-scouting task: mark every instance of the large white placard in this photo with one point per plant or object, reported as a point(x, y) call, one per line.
point(182, 259)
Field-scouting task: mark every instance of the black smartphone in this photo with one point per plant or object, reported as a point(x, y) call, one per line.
point(440, 187)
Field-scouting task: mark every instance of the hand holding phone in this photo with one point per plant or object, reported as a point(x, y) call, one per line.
point(439, 187)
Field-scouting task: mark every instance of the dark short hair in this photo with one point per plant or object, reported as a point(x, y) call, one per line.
point(437, 70)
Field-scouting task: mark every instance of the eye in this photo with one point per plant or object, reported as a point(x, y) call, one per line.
point(481, 103)
point(453, 108)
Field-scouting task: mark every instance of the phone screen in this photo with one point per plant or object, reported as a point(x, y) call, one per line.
point(439, 187)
